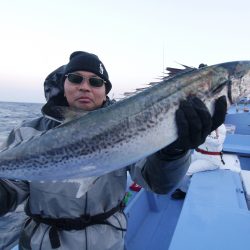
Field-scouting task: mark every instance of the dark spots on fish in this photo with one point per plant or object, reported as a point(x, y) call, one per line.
point(92, 148)
point(151, 121)
point(119, 140)
point(120, 135)
point(65, 158)
point(3, 168)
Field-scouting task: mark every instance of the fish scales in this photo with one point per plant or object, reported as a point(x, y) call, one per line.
point(131, 129)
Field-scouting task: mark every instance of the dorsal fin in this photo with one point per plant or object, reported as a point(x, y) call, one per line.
point(171, 72)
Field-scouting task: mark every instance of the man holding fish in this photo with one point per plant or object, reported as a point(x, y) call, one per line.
point(85, 212)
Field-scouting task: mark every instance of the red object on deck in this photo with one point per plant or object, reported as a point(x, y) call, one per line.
point(135, 187)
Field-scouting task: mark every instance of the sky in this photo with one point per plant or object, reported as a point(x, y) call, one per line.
point(135, 39)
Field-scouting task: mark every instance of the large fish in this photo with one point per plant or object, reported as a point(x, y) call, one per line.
point(111, 138)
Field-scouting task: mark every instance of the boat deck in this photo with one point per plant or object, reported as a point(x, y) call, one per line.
point(214, 208)
point(151, 218)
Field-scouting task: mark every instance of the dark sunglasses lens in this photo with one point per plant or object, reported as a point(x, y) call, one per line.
point(75, 78)
point(96, 82)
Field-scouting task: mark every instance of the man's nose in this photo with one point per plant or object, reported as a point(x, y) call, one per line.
point(84, 84)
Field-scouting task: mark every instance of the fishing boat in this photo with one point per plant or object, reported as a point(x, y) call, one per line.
point(215, 212)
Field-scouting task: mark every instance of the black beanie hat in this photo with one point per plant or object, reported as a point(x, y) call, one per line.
point(80, 60)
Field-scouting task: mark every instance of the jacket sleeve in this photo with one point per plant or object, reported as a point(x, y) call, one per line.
point(12, 193)
point(160, 174)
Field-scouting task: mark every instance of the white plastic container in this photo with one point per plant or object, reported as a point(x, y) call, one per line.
point(230, 128)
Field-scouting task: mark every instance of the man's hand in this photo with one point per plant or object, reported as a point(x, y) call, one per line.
point(194, 124)
point(220, 111)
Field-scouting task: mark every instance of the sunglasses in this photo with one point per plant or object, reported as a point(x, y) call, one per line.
point(78, 79)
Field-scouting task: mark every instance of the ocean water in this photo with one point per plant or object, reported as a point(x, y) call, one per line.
point(13, 113)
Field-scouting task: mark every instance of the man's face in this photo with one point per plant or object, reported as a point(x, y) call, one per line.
point(83, 95)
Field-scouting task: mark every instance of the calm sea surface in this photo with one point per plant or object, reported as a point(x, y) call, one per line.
point(13, 113)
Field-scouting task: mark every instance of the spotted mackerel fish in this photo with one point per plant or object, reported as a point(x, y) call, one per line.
point(107, 139)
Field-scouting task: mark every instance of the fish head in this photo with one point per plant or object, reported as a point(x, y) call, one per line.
point(238, 80)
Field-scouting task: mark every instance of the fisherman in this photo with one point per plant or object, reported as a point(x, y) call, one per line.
point(60, 220)
point(206, 157)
